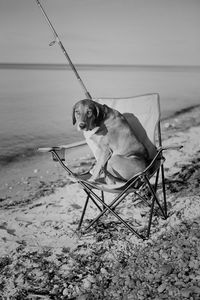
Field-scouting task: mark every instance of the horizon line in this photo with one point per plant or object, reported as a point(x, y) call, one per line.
point(84, 66)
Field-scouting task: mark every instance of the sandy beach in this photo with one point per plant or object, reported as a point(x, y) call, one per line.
point(42, 256)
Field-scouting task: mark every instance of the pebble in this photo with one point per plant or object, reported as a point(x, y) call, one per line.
point(185, 292)
point(86, 284)
point(103, 271)
point(195, 289)
point(82, 297)
point(55, 289)
point(91, 278)
point(65, 292)
point(130, 297)
point(162, 287)
point(166, 269)
point(179, 283)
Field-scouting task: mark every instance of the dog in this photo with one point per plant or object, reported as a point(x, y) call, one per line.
point(121, 154)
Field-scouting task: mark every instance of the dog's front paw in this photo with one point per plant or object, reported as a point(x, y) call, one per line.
point(97, 180)
point(92, 179)
point(110, 180)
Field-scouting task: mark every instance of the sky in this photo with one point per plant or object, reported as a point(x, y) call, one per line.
point(141, 32)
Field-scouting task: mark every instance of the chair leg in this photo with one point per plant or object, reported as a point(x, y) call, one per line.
point(164, 189)
point(102, 197)
point(150, 218)
point(85, 206)
point(156, 180)
point(83, 212)
point(108, 208)
point(152, 206)
point(155, 197)
point(93, 200)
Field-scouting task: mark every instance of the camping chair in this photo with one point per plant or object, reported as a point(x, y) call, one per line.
point(139, 110)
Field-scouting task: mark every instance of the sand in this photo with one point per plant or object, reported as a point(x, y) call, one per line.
point(40, 206)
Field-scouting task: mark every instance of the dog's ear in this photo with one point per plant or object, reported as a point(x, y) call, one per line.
point(96, 109)
point(73, 115)
point(99, 113)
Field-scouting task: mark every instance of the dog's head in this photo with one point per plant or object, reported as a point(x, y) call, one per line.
point(88, 114)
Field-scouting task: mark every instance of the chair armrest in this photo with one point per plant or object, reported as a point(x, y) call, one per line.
point(62, 147)
point(172, 147)
point(73, 148)
point(159, 152)
point(73, 145)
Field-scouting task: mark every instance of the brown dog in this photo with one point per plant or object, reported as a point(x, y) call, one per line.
point(121, 153)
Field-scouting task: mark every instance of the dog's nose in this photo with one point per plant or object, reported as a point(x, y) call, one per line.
point(82, 125)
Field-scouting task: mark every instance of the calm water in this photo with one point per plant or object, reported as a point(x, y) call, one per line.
point(36, 104)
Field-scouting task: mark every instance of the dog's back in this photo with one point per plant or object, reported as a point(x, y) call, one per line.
point(120, 136)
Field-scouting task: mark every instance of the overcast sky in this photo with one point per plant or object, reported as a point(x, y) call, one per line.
point(102, 31)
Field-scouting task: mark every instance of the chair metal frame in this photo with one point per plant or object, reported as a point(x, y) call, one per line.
point(133, 185)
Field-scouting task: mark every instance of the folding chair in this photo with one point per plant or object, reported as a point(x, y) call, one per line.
point(138, 110)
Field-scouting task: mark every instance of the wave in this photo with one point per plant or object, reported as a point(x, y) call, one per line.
point(12, 157)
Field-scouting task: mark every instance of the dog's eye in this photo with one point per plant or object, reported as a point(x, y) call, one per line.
point(89, 113)
point(77, 112)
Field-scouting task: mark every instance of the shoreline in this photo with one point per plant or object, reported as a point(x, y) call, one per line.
point(79, 66)
point(40, 209)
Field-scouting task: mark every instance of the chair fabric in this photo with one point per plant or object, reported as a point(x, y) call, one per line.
point(143, 114)
point(145, 107)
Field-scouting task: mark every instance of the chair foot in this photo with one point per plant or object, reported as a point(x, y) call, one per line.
point(79, 233)
point(166, 217)
point(143, 237)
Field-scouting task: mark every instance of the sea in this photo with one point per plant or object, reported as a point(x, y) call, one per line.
point(36, 100)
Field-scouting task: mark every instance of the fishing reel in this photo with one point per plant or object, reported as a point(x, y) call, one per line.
point(56, 40)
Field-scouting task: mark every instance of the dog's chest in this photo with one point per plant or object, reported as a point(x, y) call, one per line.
point(93, 141)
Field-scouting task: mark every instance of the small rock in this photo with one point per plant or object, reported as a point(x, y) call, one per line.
point(195, 289)
point(91, 278)
point(65, 292)
point(172, 291)
point(82, 297)
point(150, 277)
point(193, 264)
point(185, 292)
point(77, 290)
point(166, 269)
point(156, 255)
point(55, 289)
point(130, 297)
point(86, 284)
point(103, 271)
point(179, 283)
point(162, 287)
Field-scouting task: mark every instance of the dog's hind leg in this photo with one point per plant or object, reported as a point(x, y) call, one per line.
point(125, 167)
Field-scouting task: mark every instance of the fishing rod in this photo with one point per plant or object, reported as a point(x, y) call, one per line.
point(57, 40)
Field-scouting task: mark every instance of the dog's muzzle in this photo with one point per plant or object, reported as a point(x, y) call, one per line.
point(82, 125)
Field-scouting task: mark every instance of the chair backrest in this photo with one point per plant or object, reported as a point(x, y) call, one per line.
point(145, 107)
